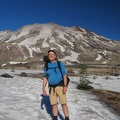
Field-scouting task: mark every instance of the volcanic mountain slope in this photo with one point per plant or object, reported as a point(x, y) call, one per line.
point(72, 44)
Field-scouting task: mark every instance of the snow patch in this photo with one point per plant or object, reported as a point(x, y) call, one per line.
point(73, 57)
point(99, 57)
point(21, 98)
point(13, 62)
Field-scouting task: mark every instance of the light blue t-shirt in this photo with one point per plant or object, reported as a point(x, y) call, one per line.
point(53, 73)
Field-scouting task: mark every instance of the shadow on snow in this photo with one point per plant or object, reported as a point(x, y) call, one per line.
point(45, 101)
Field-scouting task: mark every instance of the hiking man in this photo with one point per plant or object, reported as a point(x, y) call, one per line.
point(57, 82)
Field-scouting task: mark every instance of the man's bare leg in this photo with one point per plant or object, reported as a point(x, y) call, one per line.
point(65, 111)
point(55, 111)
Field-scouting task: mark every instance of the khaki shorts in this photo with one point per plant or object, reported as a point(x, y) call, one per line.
point(57, 93)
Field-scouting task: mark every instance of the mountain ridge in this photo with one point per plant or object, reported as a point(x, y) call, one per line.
point(72, 44)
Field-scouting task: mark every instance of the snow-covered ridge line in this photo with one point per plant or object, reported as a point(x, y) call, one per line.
point(72, 44)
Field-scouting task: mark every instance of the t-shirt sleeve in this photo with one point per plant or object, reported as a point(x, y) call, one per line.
point(63, 69)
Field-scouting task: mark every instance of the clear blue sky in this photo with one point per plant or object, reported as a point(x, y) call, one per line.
point(99, 16)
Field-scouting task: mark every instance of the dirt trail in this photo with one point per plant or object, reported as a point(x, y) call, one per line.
point(112, 99)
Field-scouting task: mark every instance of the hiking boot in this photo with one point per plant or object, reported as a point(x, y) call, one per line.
point(54, 118)
point(67, 118)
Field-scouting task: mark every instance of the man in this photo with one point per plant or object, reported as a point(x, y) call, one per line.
point(54, 77)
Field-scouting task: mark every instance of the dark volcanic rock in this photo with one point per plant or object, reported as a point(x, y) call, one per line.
point(6, 75)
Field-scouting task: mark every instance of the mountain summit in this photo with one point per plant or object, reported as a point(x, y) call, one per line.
point(72, 44)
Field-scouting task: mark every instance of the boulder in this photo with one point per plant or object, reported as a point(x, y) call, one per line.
point(6, 75)
point(23, 74)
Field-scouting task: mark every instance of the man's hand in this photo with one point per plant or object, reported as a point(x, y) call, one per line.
point(64, 90)
point(44, 92)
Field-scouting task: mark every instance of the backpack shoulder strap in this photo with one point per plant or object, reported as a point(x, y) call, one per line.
point(59, 66)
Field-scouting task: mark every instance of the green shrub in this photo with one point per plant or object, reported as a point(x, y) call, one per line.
point(84, 82)
point(84, 85)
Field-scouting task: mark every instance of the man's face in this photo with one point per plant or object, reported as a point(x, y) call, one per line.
point(52, 56)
